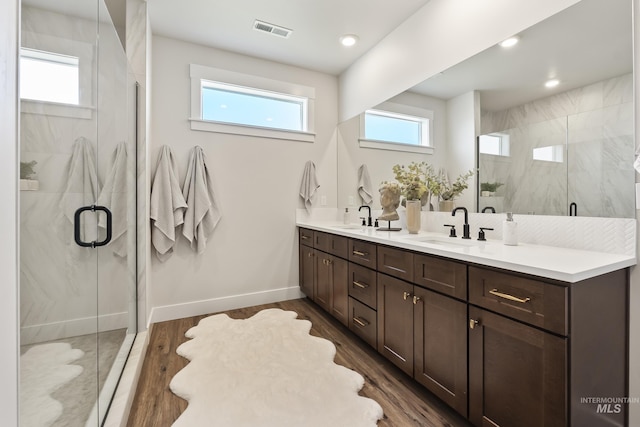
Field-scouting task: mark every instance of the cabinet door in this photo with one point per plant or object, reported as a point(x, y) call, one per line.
point(339, 271)
point(307, 266)
point(322, 282)
point(517, 373)
point(395, 321)
point(440, 341)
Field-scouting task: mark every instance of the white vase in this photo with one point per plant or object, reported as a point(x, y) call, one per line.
point(413, 216)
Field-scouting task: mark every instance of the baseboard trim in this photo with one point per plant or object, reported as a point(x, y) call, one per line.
point(214, 305)
point(72, 328)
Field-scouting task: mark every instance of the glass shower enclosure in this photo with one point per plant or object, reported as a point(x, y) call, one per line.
point(77, 212)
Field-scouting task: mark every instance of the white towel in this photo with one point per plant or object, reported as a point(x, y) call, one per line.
point(364, 185)
point(114, 197)
point(167, 205)
point(82, 188)
point(202, 213)
point(309, 184)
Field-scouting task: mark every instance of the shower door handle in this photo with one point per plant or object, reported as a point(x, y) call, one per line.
point(76, 226)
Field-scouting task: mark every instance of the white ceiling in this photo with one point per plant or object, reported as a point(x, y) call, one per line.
point(316, 24)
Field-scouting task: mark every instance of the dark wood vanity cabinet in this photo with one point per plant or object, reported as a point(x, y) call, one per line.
point(424, 334)
point(307, 270)
point(517, 373)
point(501, 348)
point(324, 276)
point(536, 348)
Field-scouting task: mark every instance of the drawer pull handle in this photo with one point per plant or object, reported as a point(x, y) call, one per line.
point(406, 295)
point(326, 261)
point(361, 322)
point(416, 299)
point(360, 285)
point(509, 297)
point(305, 237)
point(360, 253)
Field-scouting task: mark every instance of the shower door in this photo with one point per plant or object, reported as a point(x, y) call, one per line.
point(77, 212)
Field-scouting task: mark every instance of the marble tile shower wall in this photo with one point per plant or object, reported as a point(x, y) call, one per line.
point(59, 295)
point(595, 124)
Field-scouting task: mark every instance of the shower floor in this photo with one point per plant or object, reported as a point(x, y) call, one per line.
point(79, 396)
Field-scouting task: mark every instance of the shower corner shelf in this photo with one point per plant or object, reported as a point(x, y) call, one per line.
point(29, 185)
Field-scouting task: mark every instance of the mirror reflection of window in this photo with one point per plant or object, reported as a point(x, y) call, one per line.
point(398, 128)
point(552, 153)
point(49, 77)
point(495, 144)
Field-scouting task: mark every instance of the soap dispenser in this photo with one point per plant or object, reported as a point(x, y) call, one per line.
point(510, 230)
point(347, 217)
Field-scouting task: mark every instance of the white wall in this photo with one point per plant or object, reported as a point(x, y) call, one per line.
point(9, 19)
point(441, 34)
point(253, 250)
point(462, 121)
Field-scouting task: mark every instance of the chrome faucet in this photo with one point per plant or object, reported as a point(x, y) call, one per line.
point(465, 229)
point(369, 223)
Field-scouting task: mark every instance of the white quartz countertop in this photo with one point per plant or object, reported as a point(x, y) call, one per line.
point(567, 265)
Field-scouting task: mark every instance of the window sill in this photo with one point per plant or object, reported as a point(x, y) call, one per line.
point(246, 130)
point(393, 146)
point(56, 109)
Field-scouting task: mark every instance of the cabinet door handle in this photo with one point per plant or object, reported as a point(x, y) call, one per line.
point(360, 253)
point(472, 323)
point(310, 254)
point(360, 285)
point(304, 237)
point(509, 297)
point(416, 299)
point(406, 295)
point(361, 322)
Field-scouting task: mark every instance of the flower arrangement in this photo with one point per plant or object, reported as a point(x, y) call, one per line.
point(440, 186)
point(413, 179)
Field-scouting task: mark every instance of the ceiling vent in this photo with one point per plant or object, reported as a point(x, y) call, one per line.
point(272, 29)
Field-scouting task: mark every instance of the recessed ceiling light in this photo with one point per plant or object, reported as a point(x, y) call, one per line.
point(552, 83)
point(511, 41)
point(348, 40)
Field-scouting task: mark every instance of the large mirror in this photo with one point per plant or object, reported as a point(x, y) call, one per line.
point(563, 150)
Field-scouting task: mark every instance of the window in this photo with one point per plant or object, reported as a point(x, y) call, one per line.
point(226, 101)
point(252, 107)
point(496, 144)
point(49, 77)
point(397, 127)
point(552, 153)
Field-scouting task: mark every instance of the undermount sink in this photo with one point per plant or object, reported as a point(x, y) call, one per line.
point(446, 241)
point(349, 226)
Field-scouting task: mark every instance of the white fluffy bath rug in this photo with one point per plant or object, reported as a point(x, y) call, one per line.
point(44, 369)
point(267, 371)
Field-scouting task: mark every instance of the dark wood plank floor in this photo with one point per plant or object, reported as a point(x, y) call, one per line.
point(405, 403)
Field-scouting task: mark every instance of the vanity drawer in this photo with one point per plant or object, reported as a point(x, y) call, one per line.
point(395, 262)
point(363, 322)
point(362, 284)
point(306, 237)
point(447, 277)
point(531, 301)
point(363, 253)
point(330, 243)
